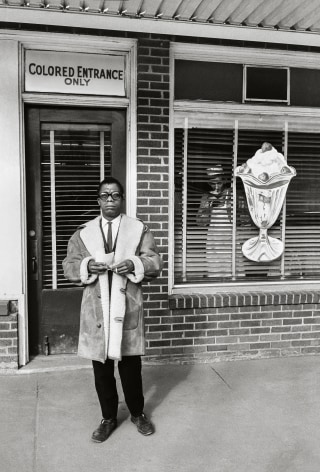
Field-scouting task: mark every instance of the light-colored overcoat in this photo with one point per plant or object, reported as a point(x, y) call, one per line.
point(112, 326)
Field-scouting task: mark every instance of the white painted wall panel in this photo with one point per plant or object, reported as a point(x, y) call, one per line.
point(10, 185)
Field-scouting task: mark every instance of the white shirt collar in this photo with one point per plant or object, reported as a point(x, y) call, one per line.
point(114, 227)
point(115, 222)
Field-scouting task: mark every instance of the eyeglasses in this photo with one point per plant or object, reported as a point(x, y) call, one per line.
point(114, 195)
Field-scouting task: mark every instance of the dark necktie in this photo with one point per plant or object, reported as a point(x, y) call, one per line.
point(109, 244)
point(109, 236)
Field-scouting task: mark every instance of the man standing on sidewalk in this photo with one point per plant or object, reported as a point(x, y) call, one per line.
point(111, 255)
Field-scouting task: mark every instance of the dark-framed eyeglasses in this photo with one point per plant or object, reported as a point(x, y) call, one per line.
point(114, 195)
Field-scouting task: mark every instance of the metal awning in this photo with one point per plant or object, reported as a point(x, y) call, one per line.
point(180, 17)
point(294, 15)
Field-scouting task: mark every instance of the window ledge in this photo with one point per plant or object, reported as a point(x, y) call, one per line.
point(229, 299)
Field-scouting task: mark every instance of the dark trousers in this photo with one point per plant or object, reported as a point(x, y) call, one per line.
point(131, 380)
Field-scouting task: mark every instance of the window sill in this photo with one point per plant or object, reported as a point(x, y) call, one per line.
point(261, 296)
point(244, 287)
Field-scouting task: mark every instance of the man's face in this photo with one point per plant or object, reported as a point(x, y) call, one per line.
point(110, 208)
point(217, 186)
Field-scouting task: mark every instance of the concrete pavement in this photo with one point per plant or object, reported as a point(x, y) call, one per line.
point(241, 416)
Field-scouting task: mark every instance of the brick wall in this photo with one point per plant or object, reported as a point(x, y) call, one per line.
point(8, 335)
point(235, 326)
point(203, 327)
point(153, 162)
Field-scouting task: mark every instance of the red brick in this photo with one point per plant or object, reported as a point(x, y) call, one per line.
point(270, 337)
point(292, 322)
point(287, 336)
point(280, 329)
point(313, 334)
point(4, 326)
point(260, 346)
point(260, 330)
point(206, 325)
point(8, 334)
point(221, 347)
point(205, 340)
point(173, 335)
point(240, 331)
point(217, 332)
point(228, 324)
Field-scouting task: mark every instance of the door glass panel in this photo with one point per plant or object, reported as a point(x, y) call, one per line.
point(74, 158)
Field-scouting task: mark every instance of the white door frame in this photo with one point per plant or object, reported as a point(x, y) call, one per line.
point(76, 44)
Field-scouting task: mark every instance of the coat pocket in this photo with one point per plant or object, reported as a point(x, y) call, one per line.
point(134, 308)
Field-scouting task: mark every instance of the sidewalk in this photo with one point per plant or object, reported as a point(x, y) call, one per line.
point(242, 416)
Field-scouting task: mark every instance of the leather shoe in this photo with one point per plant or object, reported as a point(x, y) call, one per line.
point(144, 426)
point(104, 430)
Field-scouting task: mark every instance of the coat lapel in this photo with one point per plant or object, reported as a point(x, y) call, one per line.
point(92, 237)
point(125, 248)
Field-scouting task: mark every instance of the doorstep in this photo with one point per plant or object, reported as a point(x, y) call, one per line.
point(54, 363)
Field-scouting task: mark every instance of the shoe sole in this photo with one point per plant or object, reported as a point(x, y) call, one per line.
point(145, 434)
point(98, 442)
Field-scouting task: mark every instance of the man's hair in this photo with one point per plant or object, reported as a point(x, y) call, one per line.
point(111, 180)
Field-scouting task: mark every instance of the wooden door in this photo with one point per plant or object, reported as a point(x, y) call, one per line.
point(68, 152)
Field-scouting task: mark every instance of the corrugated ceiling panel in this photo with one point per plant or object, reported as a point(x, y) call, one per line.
point(93, 6)
point(205, 9)
point(54, 4)
point(256, 17)
point(150, 9)
point(113, 6)
point(133, 7)
point(73, 5)
point(307, 20)
point(281, 12)
point(315, 26)
point(168, 8)
point(243, 10)
point(301, 11)
point(187, 10)
point(224, 10)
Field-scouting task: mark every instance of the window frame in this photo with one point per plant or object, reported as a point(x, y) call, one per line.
point(186, 114)
point(245, 99)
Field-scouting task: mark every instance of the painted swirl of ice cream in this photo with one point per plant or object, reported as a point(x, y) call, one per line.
point(266, 163)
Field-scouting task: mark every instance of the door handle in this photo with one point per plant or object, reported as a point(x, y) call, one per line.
point(33, 254)
point(34, 265)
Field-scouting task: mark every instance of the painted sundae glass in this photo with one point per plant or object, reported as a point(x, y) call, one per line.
point(265, 177)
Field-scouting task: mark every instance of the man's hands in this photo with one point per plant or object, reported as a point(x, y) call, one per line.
point(97, 267)
point(123, 268)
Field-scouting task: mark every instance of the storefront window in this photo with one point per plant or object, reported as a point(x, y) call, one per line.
point(211, 218)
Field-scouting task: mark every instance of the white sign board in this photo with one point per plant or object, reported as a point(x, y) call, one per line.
point(66, 72)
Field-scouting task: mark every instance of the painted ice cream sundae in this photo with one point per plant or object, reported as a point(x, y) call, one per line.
point(266, 177)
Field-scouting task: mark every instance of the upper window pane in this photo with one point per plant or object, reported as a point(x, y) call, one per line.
point(208, 81)
point(266, 84)
point(304, 87)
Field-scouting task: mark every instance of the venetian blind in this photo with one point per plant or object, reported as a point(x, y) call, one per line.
point(210, 251)
point(302, 249)
point(73, 159)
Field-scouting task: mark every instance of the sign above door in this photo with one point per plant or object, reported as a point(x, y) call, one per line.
point(74, 73)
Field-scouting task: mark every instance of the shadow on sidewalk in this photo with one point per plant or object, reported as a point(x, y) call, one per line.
point(160, 381)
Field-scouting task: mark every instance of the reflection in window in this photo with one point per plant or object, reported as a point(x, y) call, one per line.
point(212, 220)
